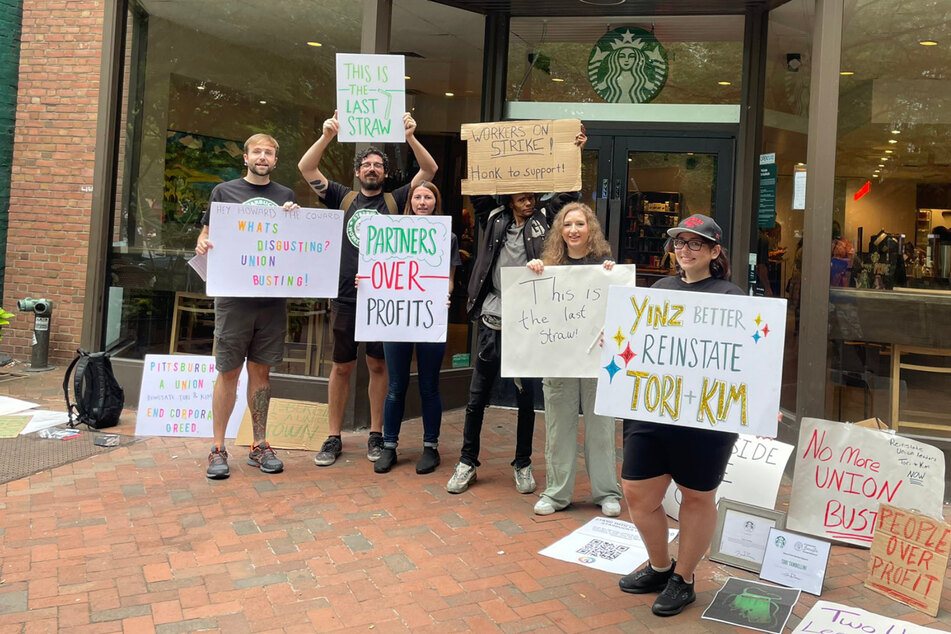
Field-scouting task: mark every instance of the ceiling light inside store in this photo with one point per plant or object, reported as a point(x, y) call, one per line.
point(406, 77)
point(896, 131)
point(201, 86)
point(450, 94)
point(263, 101)
point(314, 44)
point(889, 151)
point(928, 42)
point(724, 83)
point(846, 73)
point(881, 165)
point(893, 140)
point(559, 79)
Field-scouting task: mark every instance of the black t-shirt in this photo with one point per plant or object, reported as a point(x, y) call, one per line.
point(588, 259)
point(709, 285)
point(350, 245)
point(241, 192)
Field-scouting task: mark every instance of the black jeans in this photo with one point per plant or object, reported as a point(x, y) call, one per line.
point(488, 363)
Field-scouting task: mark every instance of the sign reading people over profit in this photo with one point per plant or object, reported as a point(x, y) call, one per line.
point(270, 252)
point(555, 318)
point(909, 558)
point(843, 472)
point(371, 98)
point(511, 157)
point(698, 360)
point(175, 397)
point(404, 278)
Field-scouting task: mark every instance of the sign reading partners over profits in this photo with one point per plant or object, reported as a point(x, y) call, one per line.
point(553, 321)
point(176, 394)
point(509, 157)
point(270, 252)
point(909, 558)
point(371, 98)
point(700, 360)
point(843, 472)
point(404, 278)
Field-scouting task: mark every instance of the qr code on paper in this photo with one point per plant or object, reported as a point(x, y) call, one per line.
point(602, 549)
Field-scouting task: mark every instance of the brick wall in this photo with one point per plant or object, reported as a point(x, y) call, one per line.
point(9, 70)
point(53, 158)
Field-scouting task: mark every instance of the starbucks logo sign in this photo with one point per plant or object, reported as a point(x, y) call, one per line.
point(628, 65)
point(353, 225)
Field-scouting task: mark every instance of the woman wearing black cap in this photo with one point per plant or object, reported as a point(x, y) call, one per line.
point(695, 459)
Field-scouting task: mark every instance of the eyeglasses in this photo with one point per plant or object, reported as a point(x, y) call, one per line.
point(693, 245)
point(367, 165)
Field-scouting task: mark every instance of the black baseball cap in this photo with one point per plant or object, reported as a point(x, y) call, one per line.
point(703, 226)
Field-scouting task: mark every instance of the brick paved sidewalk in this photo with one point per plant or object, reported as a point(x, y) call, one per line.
point(138, 540)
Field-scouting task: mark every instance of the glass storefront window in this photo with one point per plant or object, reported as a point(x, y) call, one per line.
point(891, 251)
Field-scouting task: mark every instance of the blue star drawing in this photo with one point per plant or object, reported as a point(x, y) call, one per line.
point(612, 369)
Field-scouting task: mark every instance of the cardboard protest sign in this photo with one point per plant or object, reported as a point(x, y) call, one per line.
point(176, 394)
point(553, 321)
point(753, 474)
point(510, 157)
point(909, 558)
point(269, 252)
point(843, 472)
point(826, 617)
point(371, 98)
point(404, 278)
point(290, 425)
point(699, 360)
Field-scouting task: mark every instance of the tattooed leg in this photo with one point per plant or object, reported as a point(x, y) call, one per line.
point(259, 397)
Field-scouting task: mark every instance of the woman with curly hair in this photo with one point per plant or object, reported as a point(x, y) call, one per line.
point(576, 238)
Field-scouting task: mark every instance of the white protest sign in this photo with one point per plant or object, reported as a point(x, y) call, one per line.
point(371, 98)
point(603, 544)
point(553, 321)
point(404, 278)
point(832, 618)
point(176, 394)
point(753, 474)
point(265, 251)
point(700, 360)
point(843, 472)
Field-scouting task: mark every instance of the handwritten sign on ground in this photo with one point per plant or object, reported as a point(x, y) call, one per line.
point(290, 425)
point(603, 544)
point(909, 557)
point(371, 98)
point(552, 322)
point(753, 474)
point(509, 157)
point(843, 472)
point(696, 360)
point(827, 617)
point(176, 394)
point(404, 278)
point(269, 252)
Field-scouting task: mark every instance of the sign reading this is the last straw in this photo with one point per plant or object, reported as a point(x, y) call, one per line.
point(697, 360)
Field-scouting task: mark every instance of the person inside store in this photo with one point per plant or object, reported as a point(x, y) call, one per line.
point(695, 459)
point(424, 201)
point(513, 234)
point(576, 238)
point(370, 167)
point(252, 328)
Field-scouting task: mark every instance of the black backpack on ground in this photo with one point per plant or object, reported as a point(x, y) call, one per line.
point(99, 398)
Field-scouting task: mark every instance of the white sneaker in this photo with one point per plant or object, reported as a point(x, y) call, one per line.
point(524, 480)
point(611, 508)
point(463, 476)
point(544, 507)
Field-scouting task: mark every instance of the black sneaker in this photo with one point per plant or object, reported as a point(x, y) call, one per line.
point(217, 464)
point(329, 451)
point(386, 460)
point(374, 447)
point(263, 457)
point(646, 580)
point(428, 461)
point(676, 596)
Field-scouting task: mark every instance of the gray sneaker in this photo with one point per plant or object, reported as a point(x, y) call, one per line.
point(374, 447)
point(524, 480)
point(463, 476)
point(217, 464)
point(263, 457)
point(329, 451)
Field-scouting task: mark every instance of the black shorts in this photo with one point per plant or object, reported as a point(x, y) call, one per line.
point(343, 322)
point(249, 327)
point(694, 458)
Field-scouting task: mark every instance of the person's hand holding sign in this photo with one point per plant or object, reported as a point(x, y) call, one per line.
point(581, 138)
point(409, 123)
point(331, 126)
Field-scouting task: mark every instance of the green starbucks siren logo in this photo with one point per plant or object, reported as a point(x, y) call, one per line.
point(353, 225)
point(628, 65)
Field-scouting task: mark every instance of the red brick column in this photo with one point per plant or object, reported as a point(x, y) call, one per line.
point(52, 174)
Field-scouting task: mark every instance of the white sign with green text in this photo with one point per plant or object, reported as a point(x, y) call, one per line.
point(371, 98)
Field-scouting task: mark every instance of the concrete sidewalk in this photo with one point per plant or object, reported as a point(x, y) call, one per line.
point(137, 540)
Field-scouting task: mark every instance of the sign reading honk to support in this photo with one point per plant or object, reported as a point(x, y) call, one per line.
point(698, 360)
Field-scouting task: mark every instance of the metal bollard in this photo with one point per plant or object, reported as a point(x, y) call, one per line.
point(42, 310)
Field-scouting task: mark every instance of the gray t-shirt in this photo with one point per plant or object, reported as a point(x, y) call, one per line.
point(512, 254)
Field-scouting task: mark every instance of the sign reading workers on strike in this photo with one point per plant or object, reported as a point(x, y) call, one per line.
point(510, 157)
point(404, 278)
